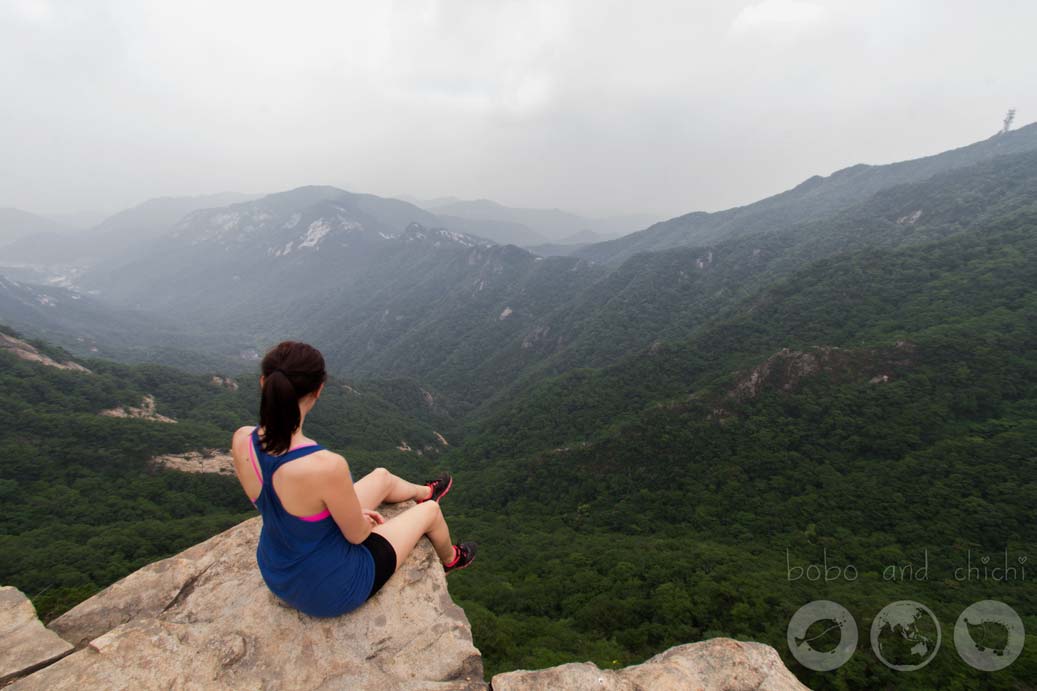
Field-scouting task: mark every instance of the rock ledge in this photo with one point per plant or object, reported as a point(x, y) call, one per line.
point(719, 664)
point(205, 620)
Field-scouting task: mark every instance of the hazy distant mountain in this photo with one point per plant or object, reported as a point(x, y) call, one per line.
point(501, 232)
point(269, 253)
point(76, 221)
point(546, 225)
point(554, 249)
point(89, 327)
point(583, 237)
point(44, 248)
point(343, 269)
point(567, 245)
point(115, 235)
point(813, 199)
point(387, 294)
point(16, 224)
point(427, 203)
point(152, 218)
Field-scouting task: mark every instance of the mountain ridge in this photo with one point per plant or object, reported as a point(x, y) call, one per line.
point(816, 196)
point(480, 321)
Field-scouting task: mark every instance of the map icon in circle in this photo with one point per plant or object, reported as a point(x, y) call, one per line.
point(905, 635)
point(994, 619)
point(801, 633)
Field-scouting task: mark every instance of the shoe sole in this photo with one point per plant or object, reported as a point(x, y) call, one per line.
point(460, 568)
point(448, 486)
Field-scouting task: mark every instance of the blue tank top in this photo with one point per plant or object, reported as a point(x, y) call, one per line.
point(307, 561)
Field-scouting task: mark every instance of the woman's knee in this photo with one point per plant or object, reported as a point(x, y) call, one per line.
point(433, 510)
point(382, 475)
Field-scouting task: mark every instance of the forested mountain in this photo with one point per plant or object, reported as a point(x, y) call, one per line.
point(642, 449)
point(596, 317)
point(669, 294)
point(814, 199)
point(632, 507)
point(84, 502)
point(873, 409)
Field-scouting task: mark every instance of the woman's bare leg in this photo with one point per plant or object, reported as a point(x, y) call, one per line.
point(404, 531)
point(380, 486)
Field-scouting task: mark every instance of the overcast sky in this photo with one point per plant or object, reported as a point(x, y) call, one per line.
point(595, 106)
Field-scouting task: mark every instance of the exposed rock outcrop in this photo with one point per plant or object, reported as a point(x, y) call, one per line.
point(225, 382)
point(719, 664)
point(204, 619)
point(25, 644)
point(146, 411)
point(787, 368)
point(27, 351)
point(204, 461)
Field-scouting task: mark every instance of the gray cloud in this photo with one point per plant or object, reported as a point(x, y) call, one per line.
point(594, 106)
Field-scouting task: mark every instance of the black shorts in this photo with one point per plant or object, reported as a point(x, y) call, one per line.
point(384, 560)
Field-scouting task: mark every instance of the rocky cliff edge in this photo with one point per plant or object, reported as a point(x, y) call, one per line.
point(203, 619)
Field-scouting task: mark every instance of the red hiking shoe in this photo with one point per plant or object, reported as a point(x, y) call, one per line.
point(439, 487)
point(464, 555)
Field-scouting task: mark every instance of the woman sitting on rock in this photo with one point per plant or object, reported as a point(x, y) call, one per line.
point(323, 548)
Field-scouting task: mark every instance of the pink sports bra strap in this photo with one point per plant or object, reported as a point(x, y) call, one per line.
point(252, 457)
point(307, 449)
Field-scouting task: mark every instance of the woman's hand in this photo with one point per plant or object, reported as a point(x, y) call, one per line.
point(373, 517)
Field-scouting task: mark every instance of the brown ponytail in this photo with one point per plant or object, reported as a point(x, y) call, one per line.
point(291, 370)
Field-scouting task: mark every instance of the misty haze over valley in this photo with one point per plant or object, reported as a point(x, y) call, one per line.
point(695, 302)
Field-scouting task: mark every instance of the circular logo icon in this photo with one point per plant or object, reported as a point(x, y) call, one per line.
point(905, 635)
point(802, 635)
point(999, 631)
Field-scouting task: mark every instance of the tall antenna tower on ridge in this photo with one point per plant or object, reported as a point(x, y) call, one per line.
point(1009, 117)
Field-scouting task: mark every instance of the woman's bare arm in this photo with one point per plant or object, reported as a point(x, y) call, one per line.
point(239, 449)
point(338, 495)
